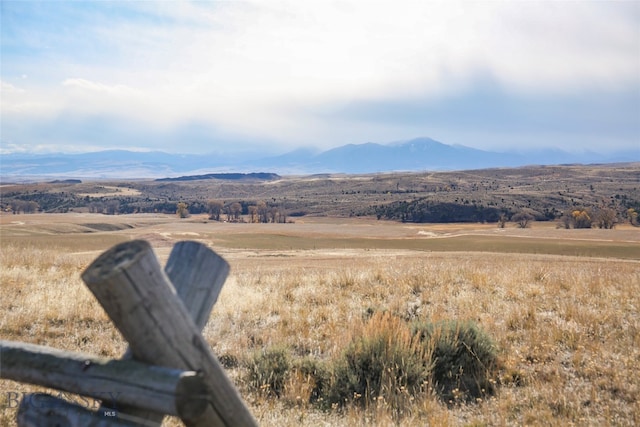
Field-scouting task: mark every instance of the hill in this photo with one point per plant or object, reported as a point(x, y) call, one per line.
point(225, 176)
point(547, 192)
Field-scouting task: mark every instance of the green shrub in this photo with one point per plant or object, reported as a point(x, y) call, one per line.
point(387, 362)
point(384, 362)
point(268, 369)
point(464, 359)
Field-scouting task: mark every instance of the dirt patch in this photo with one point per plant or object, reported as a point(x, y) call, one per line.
point(101, 226)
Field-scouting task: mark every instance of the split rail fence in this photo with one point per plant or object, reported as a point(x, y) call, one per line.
point(168, 368)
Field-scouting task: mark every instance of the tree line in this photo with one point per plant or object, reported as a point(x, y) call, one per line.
point(619, 209)
point(260, 212)
point(428, 211)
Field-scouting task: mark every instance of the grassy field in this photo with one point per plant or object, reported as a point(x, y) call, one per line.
point(561, 305)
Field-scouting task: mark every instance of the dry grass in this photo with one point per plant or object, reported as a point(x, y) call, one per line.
point(568, 328)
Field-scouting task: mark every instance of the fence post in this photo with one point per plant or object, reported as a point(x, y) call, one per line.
point(136, 294)
point(171, 391)
point(197, 274)
point(43, 410)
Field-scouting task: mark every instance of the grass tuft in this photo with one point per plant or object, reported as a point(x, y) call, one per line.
point(464, 359)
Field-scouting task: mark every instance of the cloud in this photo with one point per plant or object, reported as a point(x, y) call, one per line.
point(490, 117)
point(83, 84)
point(311, 72)
point(8, 88)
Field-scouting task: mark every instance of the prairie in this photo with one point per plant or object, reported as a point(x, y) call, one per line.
point(561, 305)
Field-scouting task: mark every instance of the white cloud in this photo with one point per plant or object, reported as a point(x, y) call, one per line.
point(8, 88)
point(330, 50)
point(18, 101)
point(273, 68)
point(90, 97)
point(83, 84)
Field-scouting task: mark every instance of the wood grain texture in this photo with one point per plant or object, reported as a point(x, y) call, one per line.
point(140, 300)
point(197, 274)
point(172, 391)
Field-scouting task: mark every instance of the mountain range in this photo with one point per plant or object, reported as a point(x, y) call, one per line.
point(418, 154)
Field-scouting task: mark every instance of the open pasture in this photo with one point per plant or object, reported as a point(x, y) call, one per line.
point(561, 305)
point(86, 232)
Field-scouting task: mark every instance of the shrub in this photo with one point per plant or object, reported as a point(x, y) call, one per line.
point(632, 216)
point(387, 362)
point(606, 218)
point(316, 374)
point(581, 219)
point(383, 362)
point(182, 210)
point(464, 359)
point(523, 218)
point(268, 370)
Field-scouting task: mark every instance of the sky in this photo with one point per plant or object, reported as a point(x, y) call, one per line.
point(234, 76)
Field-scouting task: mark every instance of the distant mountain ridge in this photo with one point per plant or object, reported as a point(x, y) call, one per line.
point(413, 155)
point(261, 176)
point(416, 154)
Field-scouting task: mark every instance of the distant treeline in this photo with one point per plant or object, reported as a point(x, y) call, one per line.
point(430, 211)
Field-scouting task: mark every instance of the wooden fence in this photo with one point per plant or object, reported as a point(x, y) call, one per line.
point(168, 368)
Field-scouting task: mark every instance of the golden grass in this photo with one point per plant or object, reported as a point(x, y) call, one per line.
point(568, 328)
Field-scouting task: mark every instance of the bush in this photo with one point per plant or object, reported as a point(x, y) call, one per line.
point(388, 362)
point(581, 219)
point(316, 374)
point(606, 218)
point(523, 218)
point(268, 370)
point(383, 362)
point(464, 359)
point(182, 210)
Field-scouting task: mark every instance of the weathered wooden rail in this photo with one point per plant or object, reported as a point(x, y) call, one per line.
point(168, 369)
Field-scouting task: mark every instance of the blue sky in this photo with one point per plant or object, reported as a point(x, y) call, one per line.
point(224, 76)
